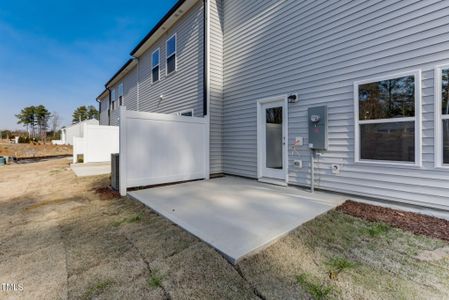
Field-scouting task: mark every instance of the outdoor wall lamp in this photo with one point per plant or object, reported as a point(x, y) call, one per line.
point(293, 98)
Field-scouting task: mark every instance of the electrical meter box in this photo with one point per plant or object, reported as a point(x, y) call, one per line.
point(318, 128)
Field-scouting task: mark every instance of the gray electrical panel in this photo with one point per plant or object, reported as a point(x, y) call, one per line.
point(318, 128)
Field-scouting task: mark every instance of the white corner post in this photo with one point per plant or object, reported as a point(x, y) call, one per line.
point(122, 149)
point(208, 94)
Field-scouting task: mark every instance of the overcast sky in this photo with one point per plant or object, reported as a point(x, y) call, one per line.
point(60, 53)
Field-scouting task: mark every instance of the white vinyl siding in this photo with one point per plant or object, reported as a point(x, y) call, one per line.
point(318, 49)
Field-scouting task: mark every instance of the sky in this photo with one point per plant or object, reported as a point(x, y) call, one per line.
point(61, 53)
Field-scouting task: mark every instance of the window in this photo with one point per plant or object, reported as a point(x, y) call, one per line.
point(387, 115)
point(120, 94)
point(171, 54)
point(155, 62)
point(442, 116)
point(186, 113)
point(113, 98)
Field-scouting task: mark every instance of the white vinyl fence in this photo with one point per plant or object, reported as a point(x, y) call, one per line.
point(161, 148)
point(97, 143)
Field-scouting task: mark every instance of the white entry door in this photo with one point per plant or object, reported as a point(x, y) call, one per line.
point(272, 139)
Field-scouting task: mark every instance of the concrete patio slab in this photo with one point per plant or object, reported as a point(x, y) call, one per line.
point(237, 216)
point(91, 169)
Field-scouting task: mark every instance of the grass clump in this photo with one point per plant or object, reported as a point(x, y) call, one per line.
point(155, 280)
point(316, 290)
point(97, 289)
point(337, 265)
point(133, 219)
point(378, 229)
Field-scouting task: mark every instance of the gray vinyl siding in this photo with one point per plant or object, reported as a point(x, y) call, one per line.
point(318, 49)
point(130, 90)
point(183, 89)
point(115, 117)
point(104, 119)
point(216, 86)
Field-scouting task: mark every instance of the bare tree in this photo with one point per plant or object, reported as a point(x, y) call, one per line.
point(55, 122)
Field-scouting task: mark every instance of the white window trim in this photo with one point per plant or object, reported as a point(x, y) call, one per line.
point(123, 94)
point(439, 117)
point(175, 53)
point(158, 65)
point(417, 119)
point(185, 111)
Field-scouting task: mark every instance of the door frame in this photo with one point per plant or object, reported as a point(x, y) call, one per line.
point(260, 122)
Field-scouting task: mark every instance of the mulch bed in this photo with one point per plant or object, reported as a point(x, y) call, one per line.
point(413, 222)
point(107, 193)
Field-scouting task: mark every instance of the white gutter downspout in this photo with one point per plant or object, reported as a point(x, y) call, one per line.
point(207, 60)
point(138, 83)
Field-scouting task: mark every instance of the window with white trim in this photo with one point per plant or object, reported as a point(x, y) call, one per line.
point(442, 117)
point(113, 98)
point(387, 119)
point(185, 113)
point(155, 65)
point(120, 94)
point(171, 54)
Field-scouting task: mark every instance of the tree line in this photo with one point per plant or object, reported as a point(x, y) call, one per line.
point(38, 120)
point(35, 119)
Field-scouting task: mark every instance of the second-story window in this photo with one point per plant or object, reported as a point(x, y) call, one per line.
point(171, 54)
point(113, 99)
point(155, 63)
point(120, 94)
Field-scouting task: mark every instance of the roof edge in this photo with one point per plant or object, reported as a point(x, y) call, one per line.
point(119, 71)
point(158, 25)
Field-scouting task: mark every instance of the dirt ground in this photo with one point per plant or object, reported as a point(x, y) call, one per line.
point(31, 150)
point(70, 238)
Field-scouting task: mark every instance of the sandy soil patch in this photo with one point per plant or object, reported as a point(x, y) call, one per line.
point(32, 150)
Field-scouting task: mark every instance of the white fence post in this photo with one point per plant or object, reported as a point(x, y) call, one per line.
point(122, 145)
point(86, 157)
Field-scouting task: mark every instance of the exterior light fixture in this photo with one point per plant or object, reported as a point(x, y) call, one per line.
point(293, 98)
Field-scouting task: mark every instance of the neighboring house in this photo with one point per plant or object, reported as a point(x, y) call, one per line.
point(380, 67)
point(75, 130)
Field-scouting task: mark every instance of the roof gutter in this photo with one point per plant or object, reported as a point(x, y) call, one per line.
point(158, 25)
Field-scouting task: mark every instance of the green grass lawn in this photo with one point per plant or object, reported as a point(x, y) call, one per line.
point(337, 256)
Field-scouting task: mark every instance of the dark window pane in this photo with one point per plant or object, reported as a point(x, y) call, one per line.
point(274, 138)
point(274, 115)
point(386, 99)
point(388, 141)
point(155, 59)
point(171, 46)
point(446, 141)
point(155, 74)
point(171, 64)
point(187, 114)
point(445, 92)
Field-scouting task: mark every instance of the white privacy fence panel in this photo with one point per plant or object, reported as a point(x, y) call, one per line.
point(161, 148)
point(78, 148)
point(97, 143)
